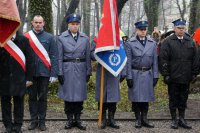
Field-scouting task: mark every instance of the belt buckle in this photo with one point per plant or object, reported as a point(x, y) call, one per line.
point(78, 60)
point(143, 69)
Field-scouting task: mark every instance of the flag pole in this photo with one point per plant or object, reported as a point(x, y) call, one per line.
point(101, 97)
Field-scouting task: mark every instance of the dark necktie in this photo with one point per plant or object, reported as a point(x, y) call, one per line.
point(75, 38)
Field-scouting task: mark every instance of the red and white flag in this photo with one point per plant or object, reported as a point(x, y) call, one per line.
point(9, 20)
point(108, 36)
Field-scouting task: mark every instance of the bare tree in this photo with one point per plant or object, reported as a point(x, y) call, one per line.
point(182, 10)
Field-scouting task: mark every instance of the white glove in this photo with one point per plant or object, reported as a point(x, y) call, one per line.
point(52, 79)
point(29, 83)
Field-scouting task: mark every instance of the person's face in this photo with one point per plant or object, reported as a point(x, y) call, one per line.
point(179, 31)
point(141, 32)
point(38, 23)
point(74, 27)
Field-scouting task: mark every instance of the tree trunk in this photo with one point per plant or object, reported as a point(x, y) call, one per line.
point(72, 8)
point(86, 17)
point(97, 14)
point(43, 8)
point(120, 5)
point(194, 15)
point(21, 4)
point(151, 9)
point(58, 17)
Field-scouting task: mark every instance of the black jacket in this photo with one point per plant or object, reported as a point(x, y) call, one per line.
point(178, 59)
point(12, 77)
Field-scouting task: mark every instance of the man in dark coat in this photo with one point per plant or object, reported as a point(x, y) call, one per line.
point(142, 73)
point(13, 80)
point(74, 70)
point(179, 66)
point(45, 70)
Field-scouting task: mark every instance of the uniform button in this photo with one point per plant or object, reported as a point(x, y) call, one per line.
point(11, 74)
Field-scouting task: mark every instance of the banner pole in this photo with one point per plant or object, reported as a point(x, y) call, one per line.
point(101, 97)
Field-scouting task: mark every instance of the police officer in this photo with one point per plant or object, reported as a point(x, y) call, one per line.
point(13, 79)
point(179, 68)
point(74, 70)
point(45, 70)
point(111, 93)
point(142, 73)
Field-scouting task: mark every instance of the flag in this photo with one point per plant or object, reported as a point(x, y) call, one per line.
point(109, 51)
point(9, 20)
point(197, 36)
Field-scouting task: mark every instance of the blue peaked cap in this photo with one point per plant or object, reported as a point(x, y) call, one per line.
point(179, 22)
point(73, 18)
point(141, 24)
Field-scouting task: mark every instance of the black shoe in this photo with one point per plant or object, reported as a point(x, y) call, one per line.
point(33, 126)
point(80, 126)
point(78, 122)
point(174, 124)
point(138, 124)
point(183, 123)
point(69, 125)
point(42, 127)
point(111, 120)
point(18, 131)
point(145, 121)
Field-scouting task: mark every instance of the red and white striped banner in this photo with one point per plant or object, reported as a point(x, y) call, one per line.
point(38, 48)
point(16, 52)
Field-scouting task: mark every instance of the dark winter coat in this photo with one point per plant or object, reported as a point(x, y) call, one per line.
point(178, 59)
point(12, 77)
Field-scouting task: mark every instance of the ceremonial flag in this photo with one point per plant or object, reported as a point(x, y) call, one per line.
point(9, 20)
point(109, 51)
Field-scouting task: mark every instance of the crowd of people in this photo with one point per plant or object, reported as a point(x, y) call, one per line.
point(68, 57)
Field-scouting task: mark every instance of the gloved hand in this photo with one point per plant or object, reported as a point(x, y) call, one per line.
point(87, 78)
point(166, 79)
point(29, 83)
point(122, 79)
point(129, 83)
point(155, 80)
point(61, 79)
point(52, 79)
point(194, 79)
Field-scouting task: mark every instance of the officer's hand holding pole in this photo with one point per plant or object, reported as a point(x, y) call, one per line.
point(61, 79)
point(129, 83)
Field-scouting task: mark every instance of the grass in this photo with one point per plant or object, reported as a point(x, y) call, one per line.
point(124, 105)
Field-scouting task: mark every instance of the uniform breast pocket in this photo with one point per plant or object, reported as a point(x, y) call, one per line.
point(45, 43)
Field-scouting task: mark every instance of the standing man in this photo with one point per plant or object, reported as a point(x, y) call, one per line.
point(142, 73)
point(15, 70)
point(74, 70)
point(111, 93)
point(179, 68)
point(45, 56)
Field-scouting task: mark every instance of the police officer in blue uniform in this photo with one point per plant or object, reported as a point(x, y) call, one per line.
point(142, 73)
point(74, 70)
point(179, 66)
